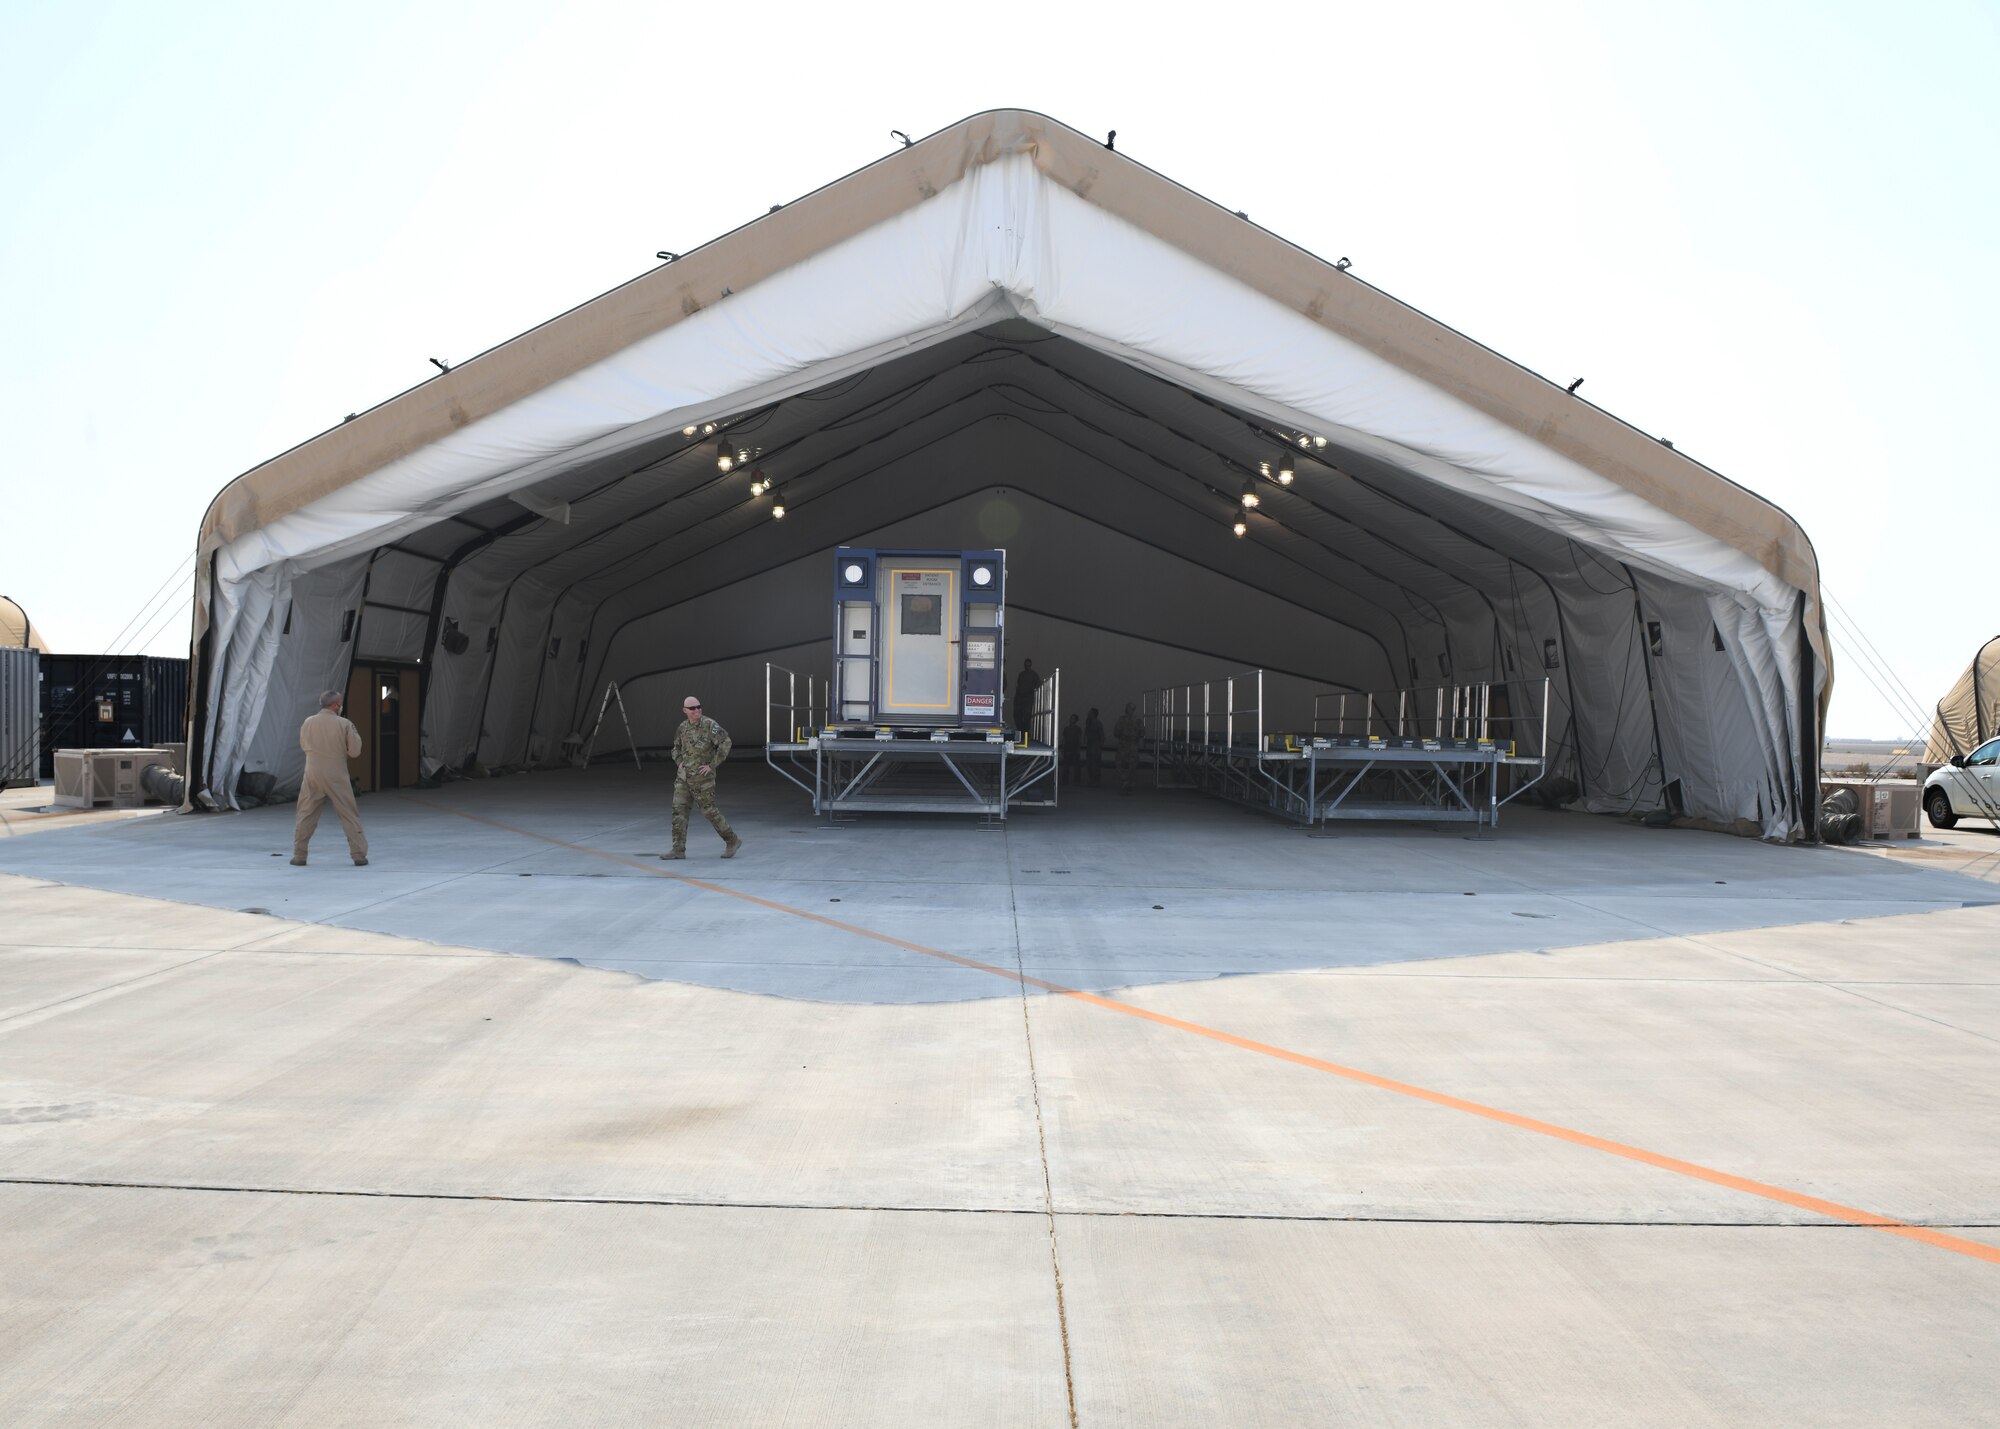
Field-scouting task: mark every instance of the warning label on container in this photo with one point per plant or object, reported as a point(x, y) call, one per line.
point(979, 706)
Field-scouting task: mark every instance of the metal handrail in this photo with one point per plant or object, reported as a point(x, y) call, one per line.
point(813, 707)
point(1458, 711)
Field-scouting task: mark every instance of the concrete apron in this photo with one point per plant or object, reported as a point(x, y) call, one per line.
point(1103, 893)
point(259, 1171)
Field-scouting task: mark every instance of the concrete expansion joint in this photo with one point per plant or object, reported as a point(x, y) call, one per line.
point(1041, 1132)
point(1040, 1212)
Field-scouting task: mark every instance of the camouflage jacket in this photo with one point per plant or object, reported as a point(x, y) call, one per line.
point(699, 742)
point(1129, 731)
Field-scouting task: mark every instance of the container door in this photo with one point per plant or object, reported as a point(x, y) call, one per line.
point(360, 709)
point(918, 602)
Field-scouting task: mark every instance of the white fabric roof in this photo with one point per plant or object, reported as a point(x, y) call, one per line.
point(1011, 362)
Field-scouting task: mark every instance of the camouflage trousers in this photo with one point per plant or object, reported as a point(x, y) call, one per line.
point(688, 793)
point(1128, 765)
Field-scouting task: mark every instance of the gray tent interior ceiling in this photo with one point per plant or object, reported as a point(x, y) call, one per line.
point(1112, 487)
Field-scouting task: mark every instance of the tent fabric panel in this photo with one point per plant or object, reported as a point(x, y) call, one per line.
point(303, 663)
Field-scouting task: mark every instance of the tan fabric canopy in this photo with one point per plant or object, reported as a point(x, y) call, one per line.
point(16, 629)
point(1255, 256)
point(1969, 713)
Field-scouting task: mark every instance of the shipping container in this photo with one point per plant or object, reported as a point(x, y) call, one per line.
point(20, 716)
point(105, 701)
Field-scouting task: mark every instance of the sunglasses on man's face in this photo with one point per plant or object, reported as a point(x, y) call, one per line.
point(690, 707)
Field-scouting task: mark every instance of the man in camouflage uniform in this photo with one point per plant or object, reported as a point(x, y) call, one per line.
point(700, 746)
point(1129, 730)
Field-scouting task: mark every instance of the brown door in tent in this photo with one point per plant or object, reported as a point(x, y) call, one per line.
point(383, 703)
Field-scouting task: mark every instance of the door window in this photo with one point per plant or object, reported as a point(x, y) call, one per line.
point(1987, 753)
point(922, 615)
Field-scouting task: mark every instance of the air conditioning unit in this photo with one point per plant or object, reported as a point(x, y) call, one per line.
point(104, 778)
point(1888, 807)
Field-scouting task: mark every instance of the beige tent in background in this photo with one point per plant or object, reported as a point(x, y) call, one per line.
point(1969, 714)
point(16, 629)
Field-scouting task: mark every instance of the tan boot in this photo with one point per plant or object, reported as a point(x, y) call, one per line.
point(730, 846)
point(677, 853)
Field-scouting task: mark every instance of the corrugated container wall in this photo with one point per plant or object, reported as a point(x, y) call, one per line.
point(103, 701)
point(20, 716)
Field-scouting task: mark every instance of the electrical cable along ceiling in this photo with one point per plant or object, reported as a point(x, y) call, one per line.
point(1006, 336)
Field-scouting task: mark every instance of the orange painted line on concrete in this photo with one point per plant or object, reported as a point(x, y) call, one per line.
point(1834, 1210)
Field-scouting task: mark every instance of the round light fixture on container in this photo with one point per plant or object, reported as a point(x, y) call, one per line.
point(853, 573)
point(982, 576)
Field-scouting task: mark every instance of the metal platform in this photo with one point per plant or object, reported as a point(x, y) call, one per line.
point(851, 769)
point(1368, 757)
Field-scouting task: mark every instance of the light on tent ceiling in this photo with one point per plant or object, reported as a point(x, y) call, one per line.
point(689, 430)
point(1304, 440)
point(725, 459)
point(1250, 497)
point(777, 503)
point(1241, 527)
point(1285, 472)
point(1319, 441)
point(759, 483)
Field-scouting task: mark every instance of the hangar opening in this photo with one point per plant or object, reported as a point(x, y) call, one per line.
point(1006, 337)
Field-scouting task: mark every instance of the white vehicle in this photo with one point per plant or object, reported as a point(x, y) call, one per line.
point(1966, 788)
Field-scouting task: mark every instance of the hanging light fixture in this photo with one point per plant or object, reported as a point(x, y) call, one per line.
point(1285, 473)
point(725, 459)
point(708, 429)
point(689, 430)
point(1240, 527)
point(1319, 441)
point(777, 503)
point(759, 483)
point(1250, 497)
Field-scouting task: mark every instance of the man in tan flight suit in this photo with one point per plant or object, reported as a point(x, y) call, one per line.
point(329, 742)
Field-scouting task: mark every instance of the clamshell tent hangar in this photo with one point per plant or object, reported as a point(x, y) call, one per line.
point(1007, 335)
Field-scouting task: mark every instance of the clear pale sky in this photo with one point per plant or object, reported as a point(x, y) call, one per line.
point(1765, 231)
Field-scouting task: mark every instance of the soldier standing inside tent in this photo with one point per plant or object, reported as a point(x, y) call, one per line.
point(1129, 730)
point(1025, 685)
point(700, 746)
point(1093, 747)
point(1072, 751)
point(329, 742)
